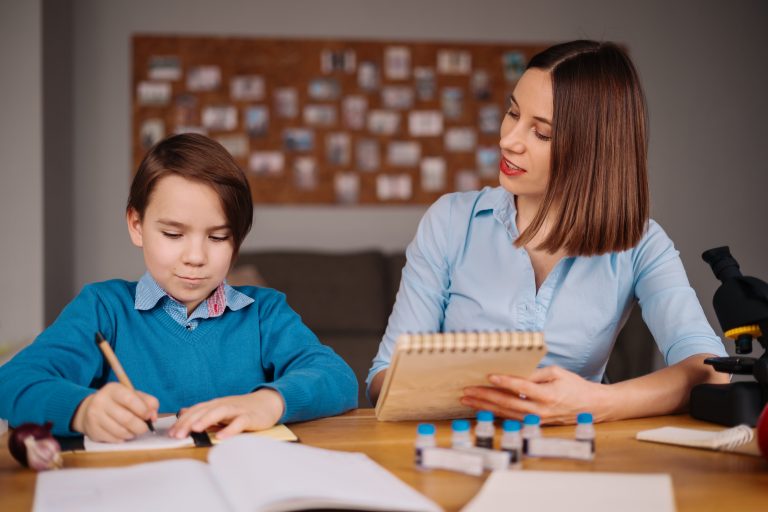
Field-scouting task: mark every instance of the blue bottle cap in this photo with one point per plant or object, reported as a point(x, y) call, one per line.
point(484, 416)
point(460, 425)
point(531, 419)
point(426, 429)
point(584, 417)
point(510, 426)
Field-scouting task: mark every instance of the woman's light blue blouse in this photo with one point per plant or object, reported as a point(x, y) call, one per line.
point(463, 273)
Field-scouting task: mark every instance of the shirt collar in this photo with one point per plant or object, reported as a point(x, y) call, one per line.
point(149, 293)
point(501, 204)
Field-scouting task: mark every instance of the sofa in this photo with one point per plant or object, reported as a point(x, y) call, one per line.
point(346, 299)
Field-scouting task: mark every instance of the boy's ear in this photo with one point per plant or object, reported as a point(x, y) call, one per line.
point(134, 227)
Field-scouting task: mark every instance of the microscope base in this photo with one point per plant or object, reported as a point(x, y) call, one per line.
point(727, 404)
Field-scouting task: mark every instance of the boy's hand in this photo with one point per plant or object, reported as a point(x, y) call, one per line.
point(115, 413)
point(255, 411)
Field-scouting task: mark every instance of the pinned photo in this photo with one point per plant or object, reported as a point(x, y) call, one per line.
point(286, 102)
point(164, 67)
point(425, 123)
point(221, 118)
point(353, 110)
point(489, 119)
point(190, 129)
point(397, 97)
point(298, 139)
point(320, 115)
point(247, 88)
point(185, 112)
point(433, 174)
point(466, 181)
point(337, 60)
point(393, 187)
point(337, 148)
point(452, 102)
point(257, 121)
point(481, 85)
point(383, 122)
point(151, 132)
point(367, 155)
point(323, 89)
point(403, 153)
point(397, 62)
point(368, 77)
point(460, 139)
point(513, 64)
point(204, 78)
point(305, 173)
point(235, 144)
point(347, 187)
point(487, 159)
point(266, 163)
point(156, 94)
point(425, 83)
point(454, 62)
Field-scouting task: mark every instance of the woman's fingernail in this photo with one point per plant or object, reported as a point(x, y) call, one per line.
point(495, 379)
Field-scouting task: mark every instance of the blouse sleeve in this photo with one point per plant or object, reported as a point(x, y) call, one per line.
point(669, 305)
point(423, 294)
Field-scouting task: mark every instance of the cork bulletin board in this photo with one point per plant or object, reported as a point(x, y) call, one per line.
point(332, 121)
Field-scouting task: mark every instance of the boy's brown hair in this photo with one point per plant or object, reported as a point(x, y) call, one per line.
point(199, 158)
point(597, 197)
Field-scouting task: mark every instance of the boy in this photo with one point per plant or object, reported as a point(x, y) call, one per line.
point(188, 341)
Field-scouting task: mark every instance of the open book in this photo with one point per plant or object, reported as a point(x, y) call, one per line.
point(428, 372)
point(243, 474)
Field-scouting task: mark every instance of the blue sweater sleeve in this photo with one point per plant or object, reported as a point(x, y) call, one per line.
point(48, 379)
point(312, 379)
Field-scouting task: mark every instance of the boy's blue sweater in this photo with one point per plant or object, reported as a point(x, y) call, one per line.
point(264, 344)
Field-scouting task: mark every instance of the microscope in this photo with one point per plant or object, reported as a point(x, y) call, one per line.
point(741, 305)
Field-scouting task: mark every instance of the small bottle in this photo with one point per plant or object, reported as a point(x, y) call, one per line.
point(511, 441)
point(425, 438)
point(460, 434)
point(531, 429)
point(484, 430)
point(585, 429)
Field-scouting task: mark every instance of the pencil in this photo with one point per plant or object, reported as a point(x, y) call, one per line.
point(114, 363)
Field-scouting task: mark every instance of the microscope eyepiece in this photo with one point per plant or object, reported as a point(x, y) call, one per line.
point(723, 264)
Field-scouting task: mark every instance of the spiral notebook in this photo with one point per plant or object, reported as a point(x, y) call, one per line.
point(428, 372)
point(739, 439)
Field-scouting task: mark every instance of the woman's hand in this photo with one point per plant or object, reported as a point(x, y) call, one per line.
point(555, 394)
point(115, 413)
point(255, 411)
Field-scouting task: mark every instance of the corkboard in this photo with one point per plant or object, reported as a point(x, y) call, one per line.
point(171, 94)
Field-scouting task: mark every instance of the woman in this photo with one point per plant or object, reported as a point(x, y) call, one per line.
point(564, 246)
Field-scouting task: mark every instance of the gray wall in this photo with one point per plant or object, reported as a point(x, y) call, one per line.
point(702, 65)
point(21, 174)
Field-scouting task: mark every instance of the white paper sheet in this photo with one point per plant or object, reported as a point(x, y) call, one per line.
point(574, 492)
point(158, 440)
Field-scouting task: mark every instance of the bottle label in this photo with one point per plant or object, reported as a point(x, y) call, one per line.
point(484, 442)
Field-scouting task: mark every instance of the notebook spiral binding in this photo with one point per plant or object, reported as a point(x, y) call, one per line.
point(731, 438)
point(482, 341)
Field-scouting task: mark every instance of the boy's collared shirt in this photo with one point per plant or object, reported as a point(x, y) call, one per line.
point(149, 294)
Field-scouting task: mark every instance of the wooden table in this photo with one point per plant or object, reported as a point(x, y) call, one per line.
point(703, 480)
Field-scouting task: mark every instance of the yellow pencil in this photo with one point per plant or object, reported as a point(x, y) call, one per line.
point(114, 363)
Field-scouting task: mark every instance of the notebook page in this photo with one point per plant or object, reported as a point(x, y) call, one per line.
point(158, 440)
point(179, 484)
point(576, 492)
point(265, 475)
